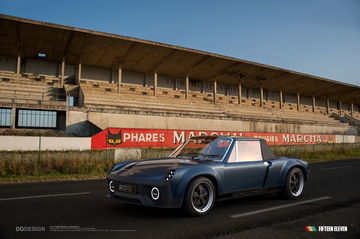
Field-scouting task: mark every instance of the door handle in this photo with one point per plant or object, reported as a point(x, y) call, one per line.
point(268, 164)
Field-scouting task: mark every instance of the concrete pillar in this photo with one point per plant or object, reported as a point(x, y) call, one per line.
point(280, 99)
point(214, 91)
point(187, 87)
point(13, 118)
point(78, 75)
point(340, 108)
point(352, 109)
point(327, 106)
point(313, 104)
point(261, 97)
point(176, 87)
point(298, 101)
point(267, 95)
point(119, 71)
point(62, 71)
point(239, 94)
point(18, 66)
point(144, 81)
point(67, 100)
point(155, 82)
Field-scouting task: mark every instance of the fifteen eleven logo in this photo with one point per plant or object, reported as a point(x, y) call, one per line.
point(310, 228)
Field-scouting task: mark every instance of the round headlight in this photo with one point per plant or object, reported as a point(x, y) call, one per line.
point(155, 193)
point(111, 186)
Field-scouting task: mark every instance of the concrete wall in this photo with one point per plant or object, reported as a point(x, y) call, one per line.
point(195, 85)
point(283, 149)
point(320, 103)
point(345, 139)
point(273, 96)
point(105, 120)
point(181, 84)
point(208, 87)
point(333, 104)
point(77, 123)
point(244, 92)
point(289, 98)
point(233, 90)
point(96, 73)
point(221, 89)
point(69, 70)
point(7, 63)
point(166, 82)
point(34, 143)
point(40, 67)
point(305, 100)
point(132, 77)
point(254, 93)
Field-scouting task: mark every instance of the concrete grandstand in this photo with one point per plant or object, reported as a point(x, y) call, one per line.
point(81, 81)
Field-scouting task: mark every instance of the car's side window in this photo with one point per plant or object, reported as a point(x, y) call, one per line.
point(248, 151)
point(245, 151)
point(232, 157)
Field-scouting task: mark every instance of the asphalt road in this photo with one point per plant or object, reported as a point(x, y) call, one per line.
point(79, 209)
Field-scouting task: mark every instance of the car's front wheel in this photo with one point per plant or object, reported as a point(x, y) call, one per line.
point(200, 197)
point(294, 184)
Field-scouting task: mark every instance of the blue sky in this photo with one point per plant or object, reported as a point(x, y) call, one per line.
point(319, 37)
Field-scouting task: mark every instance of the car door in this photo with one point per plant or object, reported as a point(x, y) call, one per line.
point(245, 168)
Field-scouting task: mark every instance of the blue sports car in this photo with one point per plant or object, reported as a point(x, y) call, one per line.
point(205, 169)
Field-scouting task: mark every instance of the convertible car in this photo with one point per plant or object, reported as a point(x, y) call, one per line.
point(205, 169)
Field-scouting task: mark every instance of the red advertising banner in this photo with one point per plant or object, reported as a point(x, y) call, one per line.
point(166, 138)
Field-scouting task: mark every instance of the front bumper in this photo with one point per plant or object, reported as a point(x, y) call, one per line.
point(143, 196)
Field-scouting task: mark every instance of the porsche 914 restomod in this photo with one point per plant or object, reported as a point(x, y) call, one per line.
point(205, 169)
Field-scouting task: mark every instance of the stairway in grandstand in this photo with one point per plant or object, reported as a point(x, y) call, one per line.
point(31, 89)
point(347, 119)
point(141, 99)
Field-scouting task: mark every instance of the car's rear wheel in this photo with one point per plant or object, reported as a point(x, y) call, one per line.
point(294, 184)
point(200, 197)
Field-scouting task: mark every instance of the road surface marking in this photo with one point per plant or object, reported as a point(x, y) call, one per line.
point(277, 207)
point(45, 196)
point(336, 168)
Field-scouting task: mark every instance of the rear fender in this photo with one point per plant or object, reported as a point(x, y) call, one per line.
point(288, 166)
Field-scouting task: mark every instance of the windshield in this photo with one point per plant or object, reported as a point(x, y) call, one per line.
point(208, 148)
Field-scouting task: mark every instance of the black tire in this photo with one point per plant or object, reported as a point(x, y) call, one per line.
point(294, 184)
point(200, 197)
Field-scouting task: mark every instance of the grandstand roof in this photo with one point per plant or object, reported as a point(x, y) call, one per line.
point(107, 50)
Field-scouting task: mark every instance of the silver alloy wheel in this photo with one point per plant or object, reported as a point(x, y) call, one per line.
point(202, 197)
point(296, 183)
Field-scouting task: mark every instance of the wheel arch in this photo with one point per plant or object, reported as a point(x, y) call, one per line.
point(208, 176)
point(183, 188)
point(287, 170)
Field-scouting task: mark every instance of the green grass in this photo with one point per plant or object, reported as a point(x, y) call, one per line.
point(29, 166)
point(323, 156)
point(54, 162)
point(50, 177)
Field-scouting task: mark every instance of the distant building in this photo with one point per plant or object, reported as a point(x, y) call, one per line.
point(81, 81)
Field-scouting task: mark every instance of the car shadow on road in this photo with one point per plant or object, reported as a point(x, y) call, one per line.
point(221, 206)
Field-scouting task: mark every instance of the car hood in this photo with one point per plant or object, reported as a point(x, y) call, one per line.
point(153, 167)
